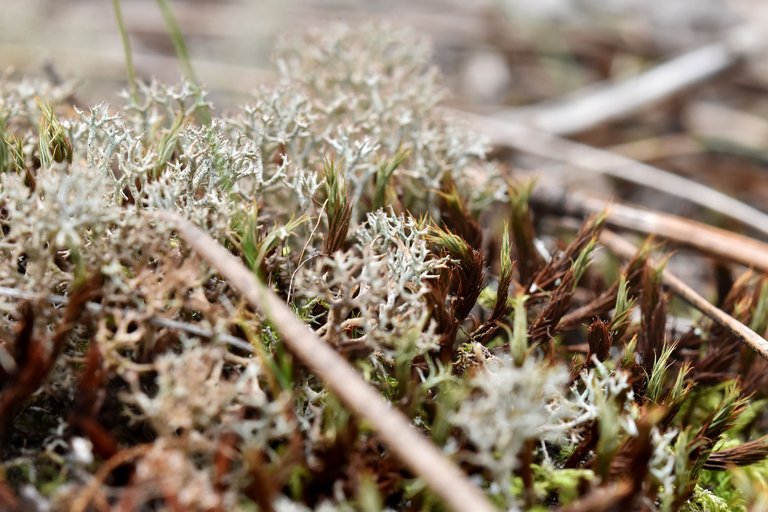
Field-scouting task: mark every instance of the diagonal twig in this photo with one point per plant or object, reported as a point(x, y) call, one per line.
point(421, 456)
point(625, 249)
point(615, 99)
point(543, 144)
point(719, 243)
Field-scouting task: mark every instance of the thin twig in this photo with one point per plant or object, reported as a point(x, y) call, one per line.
point(604, 102)
point(719, 243)
point(414, 450)
point(625, 249)
point(543, 144)
point(157, 321)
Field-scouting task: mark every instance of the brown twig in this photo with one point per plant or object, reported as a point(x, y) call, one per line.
point(8, 499)
point(626, 249)
point(543, 144)
point(417, 453)
point(719, 243)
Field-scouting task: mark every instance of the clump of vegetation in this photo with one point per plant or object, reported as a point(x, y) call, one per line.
point(133, 376)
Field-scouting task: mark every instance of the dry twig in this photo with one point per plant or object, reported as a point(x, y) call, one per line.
point(719, 243)
point(616, 99)
point(626, 249)
point(546, 145)
point(417, 453)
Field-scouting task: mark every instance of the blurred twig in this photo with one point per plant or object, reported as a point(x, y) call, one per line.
point(543, 144)
point(719, 243)
point(603, 498)
point(83, 500)
point(616, 99)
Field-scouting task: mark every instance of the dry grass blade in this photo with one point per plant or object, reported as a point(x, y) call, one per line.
point(659, 147)
point(719, 243)
point(422, 457)
point(626, 249)
point(543, 144)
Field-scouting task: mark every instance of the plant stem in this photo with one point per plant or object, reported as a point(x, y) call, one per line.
point(174, 31)
point(127, 50)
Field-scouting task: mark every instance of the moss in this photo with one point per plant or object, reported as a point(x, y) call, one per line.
point(561, 485)
point(705, 501)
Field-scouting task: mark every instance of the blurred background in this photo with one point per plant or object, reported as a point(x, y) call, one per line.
point(517, 59)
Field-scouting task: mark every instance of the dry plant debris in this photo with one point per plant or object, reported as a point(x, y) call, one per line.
point(137, 372)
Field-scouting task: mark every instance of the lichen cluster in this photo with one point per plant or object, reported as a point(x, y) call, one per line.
point(133, 377)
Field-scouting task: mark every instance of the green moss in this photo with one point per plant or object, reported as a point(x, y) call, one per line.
point(565, 485)
point(704, 500)
point(721, 485)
